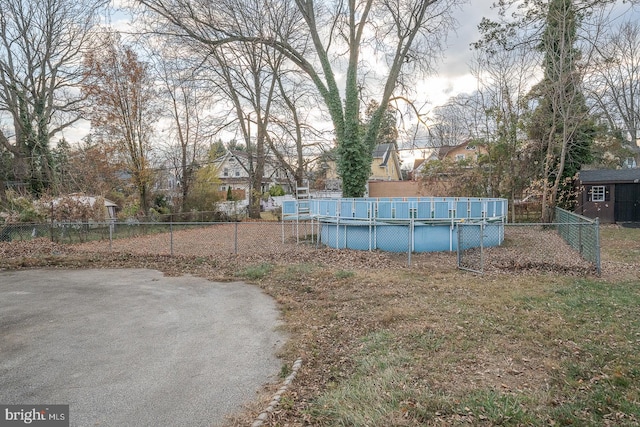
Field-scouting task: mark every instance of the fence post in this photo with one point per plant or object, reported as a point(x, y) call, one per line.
point(598, 261)
point(458, 237)
point(171, 238)
point(580, 223)
point(410, 242)
point(51, 223)
point(235, 239)
point(482, 230)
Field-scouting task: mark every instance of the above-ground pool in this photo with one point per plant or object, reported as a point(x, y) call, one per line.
point(416, 224)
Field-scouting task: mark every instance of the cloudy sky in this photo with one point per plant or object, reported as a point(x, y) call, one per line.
point(453, 75)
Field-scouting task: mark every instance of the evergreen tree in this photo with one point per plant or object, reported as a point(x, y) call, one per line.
point(560, 122)
point(60, 163)
point(388, 132)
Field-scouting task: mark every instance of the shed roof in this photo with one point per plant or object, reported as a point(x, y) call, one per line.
point(610, 176)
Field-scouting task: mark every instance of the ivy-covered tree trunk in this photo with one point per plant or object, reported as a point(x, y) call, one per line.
point(353, 153)
point(561, 121)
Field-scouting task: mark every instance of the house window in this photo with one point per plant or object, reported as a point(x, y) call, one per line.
point(225, 172)
point(459, 157)
point(630, 162)
point(237, 173)
point(598, 193)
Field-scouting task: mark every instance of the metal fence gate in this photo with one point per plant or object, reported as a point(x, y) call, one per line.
point(470, 246)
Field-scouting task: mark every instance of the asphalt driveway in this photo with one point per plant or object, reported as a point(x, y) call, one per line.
point(134, 348)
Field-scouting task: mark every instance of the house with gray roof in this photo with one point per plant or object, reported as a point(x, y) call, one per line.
point(386, 163)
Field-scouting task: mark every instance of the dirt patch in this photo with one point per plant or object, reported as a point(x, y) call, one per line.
point(535, 249)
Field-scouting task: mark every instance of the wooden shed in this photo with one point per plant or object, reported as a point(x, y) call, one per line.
point(612, 195)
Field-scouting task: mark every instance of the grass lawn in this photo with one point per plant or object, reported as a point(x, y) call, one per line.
point(436, 346)
point(387, 345)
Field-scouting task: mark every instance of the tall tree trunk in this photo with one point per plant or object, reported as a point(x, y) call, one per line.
point(258, 173)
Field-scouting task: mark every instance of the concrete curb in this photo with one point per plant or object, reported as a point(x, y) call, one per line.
point(275, 400)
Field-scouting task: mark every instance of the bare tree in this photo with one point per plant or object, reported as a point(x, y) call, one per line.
point(293, 138)
point(189, 103)
point(249, 83)
point(41, 46)
point(456, 121)
point(326, 40)
point(613, 80)
point(123, 95)
point(504, 80)
point(94, 167)
point(245, 77)
point(271, 103)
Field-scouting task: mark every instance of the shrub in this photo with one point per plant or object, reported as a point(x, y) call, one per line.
point(21, 209)
point(276, 190)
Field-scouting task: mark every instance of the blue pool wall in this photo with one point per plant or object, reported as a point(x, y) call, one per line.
point(419, 224)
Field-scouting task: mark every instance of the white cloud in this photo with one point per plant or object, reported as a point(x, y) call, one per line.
point(437, 90)
point(454, 76)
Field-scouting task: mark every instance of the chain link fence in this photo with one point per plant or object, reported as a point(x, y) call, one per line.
point(470, 250)
point(563, 247)
point(569, 245)
point(581, 233)
point(175, 238)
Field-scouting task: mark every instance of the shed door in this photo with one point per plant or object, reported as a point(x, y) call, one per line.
point(627, 204)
